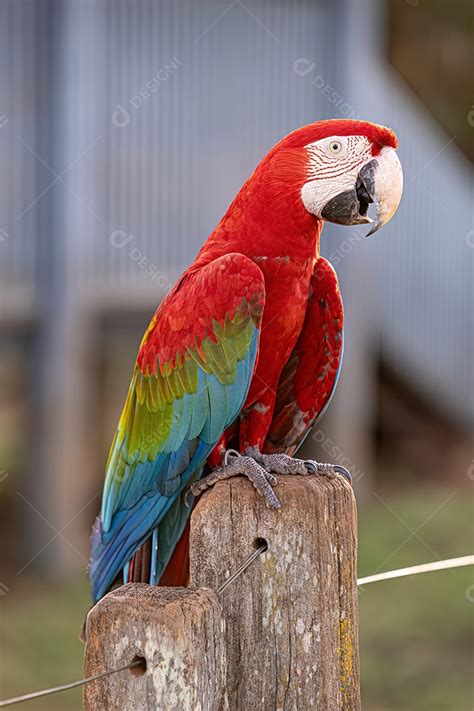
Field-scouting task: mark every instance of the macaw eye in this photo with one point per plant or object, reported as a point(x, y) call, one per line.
point(335, 147)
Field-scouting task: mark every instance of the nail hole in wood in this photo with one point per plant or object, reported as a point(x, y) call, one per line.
point(140, 669)
point(259, 542)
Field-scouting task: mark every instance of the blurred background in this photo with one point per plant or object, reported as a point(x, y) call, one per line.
point(126, 128)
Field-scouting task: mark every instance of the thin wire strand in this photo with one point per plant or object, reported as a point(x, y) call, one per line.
point(261, 549)
point(65, 687)
point(415, 569)
point(88, 680)
point(401, 572)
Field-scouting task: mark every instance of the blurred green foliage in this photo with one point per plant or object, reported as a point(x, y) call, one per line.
point(416, 633)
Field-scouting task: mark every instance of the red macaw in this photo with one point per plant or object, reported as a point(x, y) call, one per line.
point(245, 351)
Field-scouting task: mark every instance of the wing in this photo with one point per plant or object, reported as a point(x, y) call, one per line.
point(309, 378)
point(189, 383)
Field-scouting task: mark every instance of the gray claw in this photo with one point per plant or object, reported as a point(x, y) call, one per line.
point(321, 469)
point(344, 472)
point(187, 493)
point(311, 466)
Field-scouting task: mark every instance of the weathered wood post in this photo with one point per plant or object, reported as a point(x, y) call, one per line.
point(180, 634)
point(292, 617)
point(290, 636)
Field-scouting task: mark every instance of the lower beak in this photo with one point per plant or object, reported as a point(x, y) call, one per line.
point(380, 182)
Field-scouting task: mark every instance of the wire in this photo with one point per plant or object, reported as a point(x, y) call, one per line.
point(65, 687)
point(401, 572)
point(261, 549)
point(415, 569)
point(140, 662)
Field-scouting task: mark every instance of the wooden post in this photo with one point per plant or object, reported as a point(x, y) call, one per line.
point(178, 631)
point(292, 617)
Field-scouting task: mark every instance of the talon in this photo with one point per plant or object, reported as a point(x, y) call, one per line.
point(187, 494)
point(271, 478)
point(283, 464)
point(230, 453)
point(344, 472)
point(191, 490)
point(311, 466)
point(321, 469)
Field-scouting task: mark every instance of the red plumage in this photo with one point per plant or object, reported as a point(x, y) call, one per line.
point(300, 347)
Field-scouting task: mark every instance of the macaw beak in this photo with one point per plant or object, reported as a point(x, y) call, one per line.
point(380, 181)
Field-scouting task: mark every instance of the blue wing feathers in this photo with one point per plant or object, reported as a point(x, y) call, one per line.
point(150, 500)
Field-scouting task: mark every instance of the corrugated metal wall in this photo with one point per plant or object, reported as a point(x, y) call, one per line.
point(23, 61)
point(222, 89)
point(421, 265)
point(166, 167)
point(98, 175)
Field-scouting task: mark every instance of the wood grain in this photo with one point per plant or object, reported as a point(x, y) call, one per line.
point(292, 617)
point(180, 632)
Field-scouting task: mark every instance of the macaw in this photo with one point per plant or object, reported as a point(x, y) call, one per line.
point(242, 356)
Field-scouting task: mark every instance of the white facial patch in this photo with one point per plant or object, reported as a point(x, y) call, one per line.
point(333, 166)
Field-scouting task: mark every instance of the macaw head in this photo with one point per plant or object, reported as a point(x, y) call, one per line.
point(341, 166)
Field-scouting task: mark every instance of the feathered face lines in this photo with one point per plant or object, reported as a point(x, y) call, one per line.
point(332, 166)
point(345, 174)
point(336, 156)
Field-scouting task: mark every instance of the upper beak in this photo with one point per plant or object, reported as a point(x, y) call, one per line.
point(380, 181)
point(384, 184)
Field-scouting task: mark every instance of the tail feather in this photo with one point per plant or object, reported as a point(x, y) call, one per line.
point(139, 568)
point(176, 573)
point(144, 566)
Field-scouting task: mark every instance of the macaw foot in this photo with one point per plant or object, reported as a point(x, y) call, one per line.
point(236, 464)
point(283, 464)
point(260, 469)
